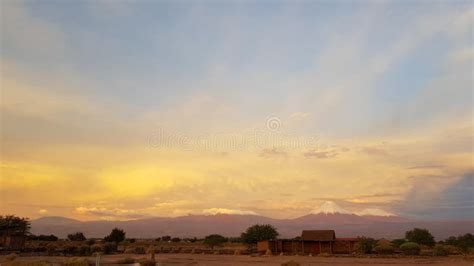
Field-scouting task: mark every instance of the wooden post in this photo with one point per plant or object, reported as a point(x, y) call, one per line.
point(320, 247)
point(302, 246)
point(97, 259)
point(330, 247)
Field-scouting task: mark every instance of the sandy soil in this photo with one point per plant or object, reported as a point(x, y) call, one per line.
point(214, 260)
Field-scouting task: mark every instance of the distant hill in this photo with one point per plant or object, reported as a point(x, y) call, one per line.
point(345, 224)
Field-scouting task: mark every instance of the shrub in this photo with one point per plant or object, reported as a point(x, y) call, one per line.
point(11, 257)
point(78, 236)
point(117, 235)
point(440, 250)
point(129, 250)
point(97, 248)
point(70, 249)
point(175, 239)
point(452, 250)
point(109, 248)
point(83, 250)
point(90, 242)
point(410, 248)
point(214, 240)
point(147, 262)
point(126, 260)
point(384, 248)
point(140, 250)
point(166, 238)
point(51, 248)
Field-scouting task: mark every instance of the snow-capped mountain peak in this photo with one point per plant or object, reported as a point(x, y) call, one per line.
point(329, 207)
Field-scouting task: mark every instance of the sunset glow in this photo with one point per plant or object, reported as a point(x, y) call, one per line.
point(121, 110)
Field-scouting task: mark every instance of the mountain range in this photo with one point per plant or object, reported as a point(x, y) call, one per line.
point(345, 224)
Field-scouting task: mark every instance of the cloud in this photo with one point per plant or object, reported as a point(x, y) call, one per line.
point(320, 154)
point(440, 196)
point(111, 213)
point(374, 151)
point(428, 166)
point(375, 212)
point(272, 153)
point(298, 116)
point(214, 211)
point(57, 120)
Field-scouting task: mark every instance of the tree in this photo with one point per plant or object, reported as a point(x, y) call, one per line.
point(366, 245)
point(175, 239)
point(463, 242)
point(398, 242)
point(214, 240)
point(420, 236)
point(259, 232)
point(13, 225)
point(78, 236)
point(117, 235)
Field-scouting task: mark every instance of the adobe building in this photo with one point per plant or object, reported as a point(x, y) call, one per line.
point(310, 242)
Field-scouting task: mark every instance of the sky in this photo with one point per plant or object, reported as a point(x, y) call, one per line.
point(121, 110)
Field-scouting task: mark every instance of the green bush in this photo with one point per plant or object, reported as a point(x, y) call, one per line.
point(384, 248)
point(440, 250)
point(410, 248)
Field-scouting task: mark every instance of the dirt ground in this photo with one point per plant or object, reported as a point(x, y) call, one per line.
point(215, 260)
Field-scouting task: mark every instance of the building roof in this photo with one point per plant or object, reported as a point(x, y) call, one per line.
point(318, 235)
